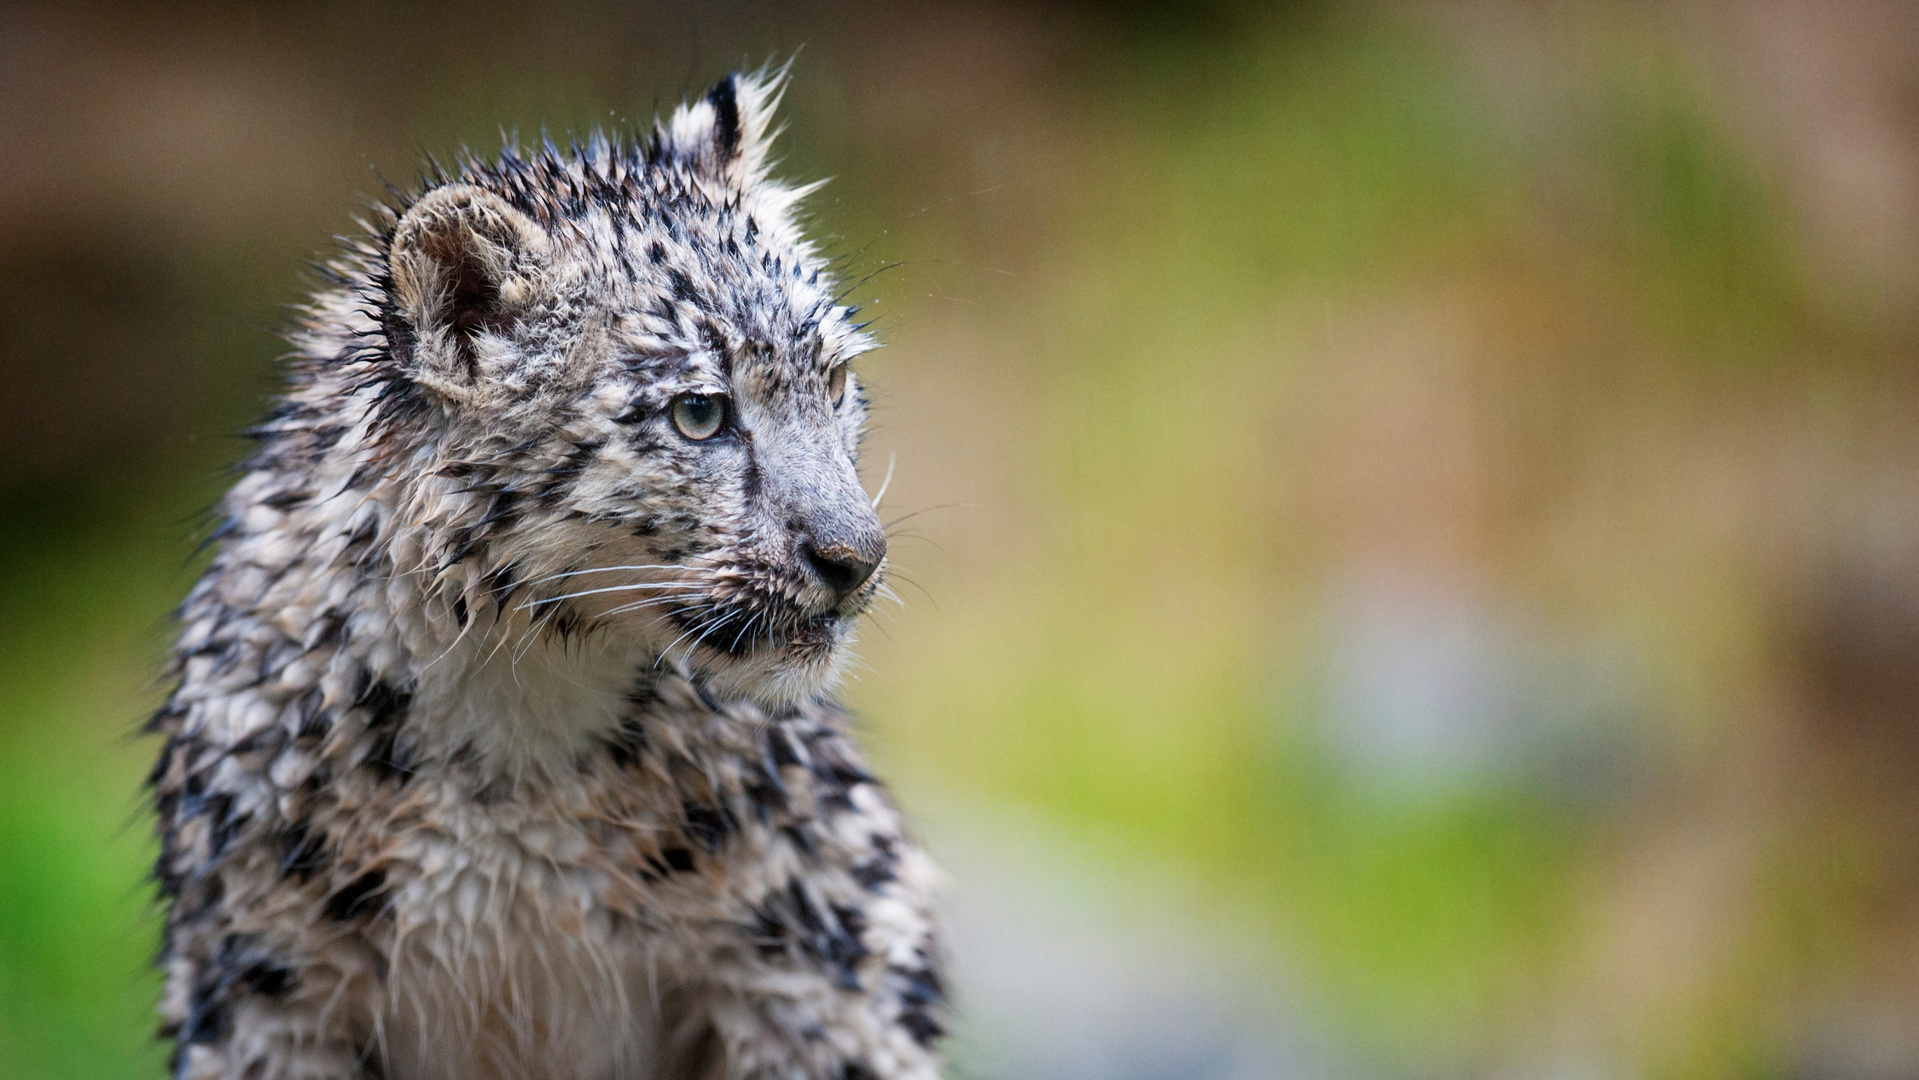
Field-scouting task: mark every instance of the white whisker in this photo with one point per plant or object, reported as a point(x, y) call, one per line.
point(892, 458)
point(638, 604)
point(609, 589)
point(669, 647)
point(599, 570)
point(743, 629)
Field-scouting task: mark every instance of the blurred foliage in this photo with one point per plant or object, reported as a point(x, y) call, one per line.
point(77, 653)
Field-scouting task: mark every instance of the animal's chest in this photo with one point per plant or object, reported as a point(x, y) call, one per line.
point(512, 955)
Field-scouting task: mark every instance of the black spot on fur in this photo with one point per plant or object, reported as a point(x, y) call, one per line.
point(919, 1024)
point(388, 755)
point(789, 919)
point(921, 992)
point(362, 477)
point(385, 705)
point(325, 436)
point(359, 547)
point(302, 854)
point(706, 697)
point(784, 749)
point(835, 775)
point(801, 837)
point(316, 723)
point(566, 624)
point(923, 986)
point(304, 709)
point(400, 338)
point(724, 97)
point(317, 780)
point(178, 752)
point(164, 876)
point(635, 412)
point(285, 500)
point(501, 514)
point(750, 479)
point(224, 824)
point(852, 921)
point(767, 791)
point(559, 479)
point(707, 826)
point(460, 546)
point(678, 859)
point(681, 287)
point(208, 1019)
point(502, 583)
point(165, 719)
point(627, 744)
point(242, 967)
point(263, 743)
point(268, 979)
point(877, 871)
point(357, 897)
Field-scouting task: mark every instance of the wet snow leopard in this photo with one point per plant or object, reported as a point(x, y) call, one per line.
point(501, 743)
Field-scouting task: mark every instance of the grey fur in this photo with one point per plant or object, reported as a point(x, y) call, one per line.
point(501, 745)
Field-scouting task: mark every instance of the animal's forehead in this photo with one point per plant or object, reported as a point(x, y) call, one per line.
point(705, 279)
point(754, 366)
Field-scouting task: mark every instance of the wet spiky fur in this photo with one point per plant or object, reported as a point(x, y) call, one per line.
point(501, 744)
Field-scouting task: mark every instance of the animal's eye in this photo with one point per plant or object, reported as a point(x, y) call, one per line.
point(699, 416)
point(836, 384)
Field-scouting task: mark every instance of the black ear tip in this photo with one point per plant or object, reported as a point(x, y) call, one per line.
point(725, 99)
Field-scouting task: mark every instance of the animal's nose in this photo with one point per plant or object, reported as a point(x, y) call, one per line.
point(845, 564)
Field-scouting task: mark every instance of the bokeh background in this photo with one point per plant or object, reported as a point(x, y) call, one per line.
point(1415, 566)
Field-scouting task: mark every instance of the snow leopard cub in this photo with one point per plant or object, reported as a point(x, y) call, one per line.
point(502, 743)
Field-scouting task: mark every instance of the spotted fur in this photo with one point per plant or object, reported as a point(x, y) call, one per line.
point(501, 745)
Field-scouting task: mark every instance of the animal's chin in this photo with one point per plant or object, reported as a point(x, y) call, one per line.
point(778, 661)
point(808, 637)
point(778, 671)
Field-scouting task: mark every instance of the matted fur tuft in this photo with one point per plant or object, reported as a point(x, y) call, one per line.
point(501, 744)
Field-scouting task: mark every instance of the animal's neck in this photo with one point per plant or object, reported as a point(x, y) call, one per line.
point(521, 704)
point(488, 683)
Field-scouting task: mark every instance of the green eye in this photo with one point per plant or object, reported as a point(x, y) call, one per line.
point(836, 384)
point(699, 416)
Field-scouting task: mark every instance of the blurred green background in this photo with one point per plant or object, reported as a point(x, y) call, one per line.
point(1415, 566)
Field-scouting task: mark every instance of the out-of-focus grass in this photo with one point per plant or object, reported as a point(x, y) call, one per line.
point(78, 653)
point(1147, 670)
point(1140, 678)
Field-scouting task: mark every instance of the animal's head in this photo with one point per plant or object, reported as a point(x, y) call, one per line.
point(635, 376)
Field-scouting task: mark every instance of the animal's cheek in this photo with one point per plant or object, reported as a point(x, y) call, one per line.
point(729, 512)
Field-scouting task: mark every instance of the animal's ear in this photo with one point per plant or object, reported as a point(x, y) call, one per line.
point(725, 135)
point(463, 263)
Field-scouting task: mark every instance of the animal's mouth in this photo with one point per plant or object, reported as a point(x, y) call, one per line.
point(742, 630)
point(762, 643)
